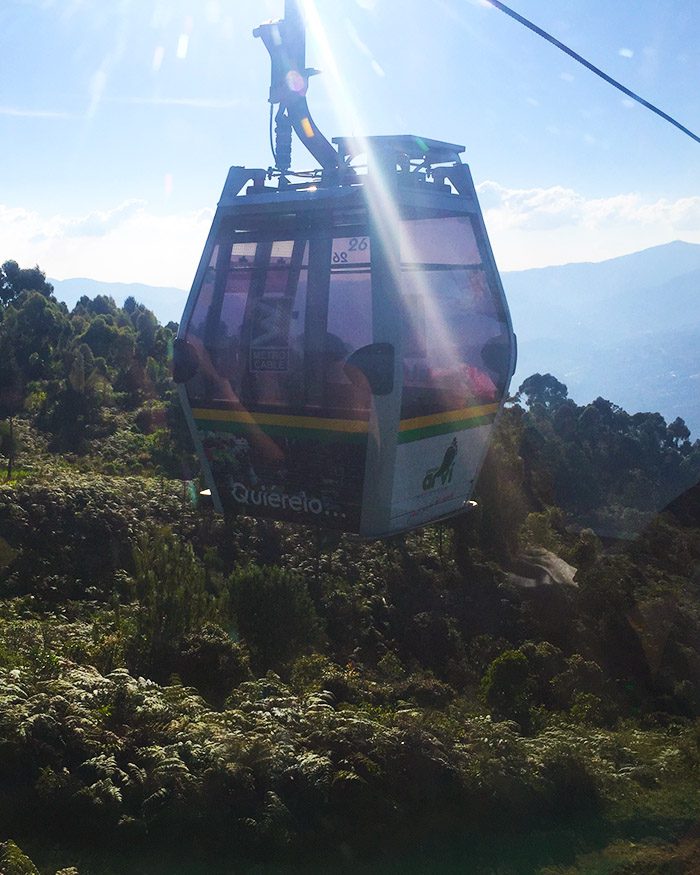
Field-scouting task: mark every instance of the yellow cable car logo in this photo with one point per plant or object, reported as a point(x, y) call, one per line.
point(444, 472)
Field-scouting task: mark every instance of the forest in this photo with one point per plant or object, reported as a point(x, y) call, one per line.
point(514, 691)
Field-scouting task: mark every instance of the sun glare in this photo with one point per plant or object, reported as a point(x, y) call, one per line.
point(396, 241)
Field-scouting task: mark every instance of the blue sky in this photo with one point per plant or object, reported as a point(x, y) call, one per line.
point(118, 120)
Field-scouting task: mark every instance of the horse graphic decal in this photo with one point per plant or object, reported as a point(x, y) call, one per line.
point(444, 472)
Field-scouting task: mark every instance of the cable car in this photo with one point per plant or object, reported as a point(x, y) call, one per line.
point(346, 346)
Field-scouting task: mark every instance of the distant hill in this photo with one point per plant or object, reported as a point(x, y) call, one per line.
point(627, 328)
point(166, 302)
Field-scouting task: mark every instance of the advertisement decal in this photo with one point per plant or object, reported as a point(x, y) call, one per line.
point(309, 470)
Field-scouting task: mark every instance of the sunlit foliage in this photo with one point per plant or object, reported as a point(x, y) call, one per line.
point(173, 680)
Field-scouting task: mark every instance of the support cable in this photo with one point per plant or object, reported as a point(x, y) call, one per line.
point(581, 60)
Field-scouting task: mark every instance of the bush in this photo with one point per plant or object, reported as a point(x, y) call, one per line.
point(274, 614)
point(506, 688)
point(14, 862)
point(213, 663)
point(173, 601)
point(81, 528)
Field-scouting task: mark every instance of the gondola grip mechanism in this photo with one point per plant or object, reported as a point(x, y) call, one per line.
point(285, 41)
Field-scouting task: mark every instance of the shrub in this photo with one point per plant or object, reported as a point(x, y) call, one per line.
point(506, 688)
point(170, 585)
point(213, 663)
point(14, 862)
point(542, 530)
point(274, 613)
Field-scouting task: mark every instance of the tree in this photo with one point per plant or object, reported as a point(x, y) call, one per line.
point(14, 280)
point(8, 443)
point(274, 614)
point(36, 327)
point(171, 590)
point(507, 687)
point(100, 305)
point(11, 378)
point(678, 431)
point(543, 389)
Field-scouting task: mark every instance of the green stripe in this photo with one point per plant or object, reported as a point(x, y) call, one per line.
point(419, 434)
point(311, 434)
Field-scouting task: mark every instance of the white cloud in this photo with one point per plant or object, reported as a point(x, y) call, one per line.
point(626, 53)
point(557, 207)
point(541, 226)
point(529, 209)
point(124, 243)
point(534, 227)
point(101, 222)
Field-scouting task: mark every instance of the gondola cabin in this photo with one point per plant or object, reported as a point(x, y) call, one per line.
point(346, 346)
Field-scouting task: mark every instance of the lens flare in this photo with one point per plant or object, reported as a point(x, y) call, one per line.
point(396, 240)
point(158, 56)
point(295, 82)
point(182, 46)
point(307, 128)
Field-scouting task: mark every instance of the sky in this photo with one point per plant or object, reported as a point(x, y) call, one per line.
point(119, 120)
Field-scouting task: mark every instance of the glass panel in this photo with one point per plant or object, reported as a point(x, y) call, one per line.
point(445, 240)
point(273, 372)
point(455, 335)
point(349, 323)
point(247, 325)
point(202, 306)
point(250, 334)
point(225, 343)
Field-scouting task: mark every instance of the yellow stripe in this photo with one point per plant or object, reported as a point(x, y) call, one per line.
point(243, 416)
point(449, 416)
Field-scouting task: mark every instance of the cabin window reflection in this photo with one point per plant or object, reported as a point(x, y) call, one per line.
point(265, 339)
point(247, 325)
point(198, 319)
point(455, 337)
point(271, 365)
point(349, 325)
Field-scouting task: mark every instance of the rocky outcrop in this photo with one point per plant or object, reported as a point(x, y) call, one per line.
point(540, 567)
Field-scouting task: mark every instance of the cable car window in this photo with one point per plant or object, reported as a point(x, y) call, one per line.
point(443, 240)
point(455, 331)
point(247, 325)
point(349, 322)
point(271, 368)
point(197, 323)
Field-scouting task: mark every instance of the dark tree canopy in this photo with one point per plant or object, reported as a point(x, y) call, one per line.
point(543, 389)
point(15, 279)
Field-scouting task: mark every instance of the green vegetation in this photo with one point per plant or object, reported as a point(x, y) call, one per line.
point(181, 693)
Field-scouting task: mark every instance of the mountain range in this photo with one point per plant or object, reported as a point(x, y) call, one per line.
point(627, 328)
point(166, 302)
